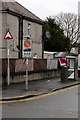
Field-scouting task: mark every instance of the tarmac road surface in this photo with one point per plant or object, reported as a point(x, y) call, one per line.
point(62, 104)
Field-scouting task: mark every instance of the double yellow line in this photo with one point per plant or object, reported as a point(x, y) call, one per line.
point(38, 97)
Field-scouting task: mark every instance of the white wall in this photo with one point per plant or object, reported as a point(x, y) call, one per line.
point(13, 23)
point(36, 37)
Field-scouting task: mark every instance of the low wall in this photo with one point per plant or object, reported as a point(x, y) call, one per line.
point(19, 65)
point(34, 76)
point(38, 69)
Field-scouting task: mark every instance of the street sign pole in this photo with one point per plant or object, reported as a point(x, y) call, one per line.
point(26, 55)
point(8, 68)
point(8, 36)
point(26, 81)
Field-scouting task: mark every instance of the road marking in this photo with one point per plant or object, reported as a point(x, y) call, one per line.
point(38, 97)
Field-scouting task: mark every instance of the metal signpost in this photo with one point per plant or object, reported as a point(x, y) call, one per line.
point(26, 81)
point(8, 36)
point(26, 55)
point(8, 68)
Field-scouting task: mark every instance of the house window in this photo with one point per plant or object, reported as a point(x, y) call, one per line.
point(29, 29)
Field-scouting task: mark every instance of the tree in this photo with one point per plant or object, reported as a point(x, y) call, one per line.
point(69, 23)
point(57, 41)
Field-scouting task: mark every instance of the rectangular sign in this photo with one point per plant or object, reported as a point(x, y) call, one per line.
point(26, 47)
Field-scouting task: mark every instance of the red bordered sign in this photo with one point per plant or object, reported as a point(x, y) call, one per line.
point(27, 44)
point(8, 35)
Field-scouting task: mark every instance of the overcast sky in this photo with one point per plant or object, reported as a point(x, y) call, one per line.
point(46, 8)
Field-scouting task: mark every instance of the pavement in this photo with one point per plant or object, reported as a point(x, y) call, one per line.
point(35, 88)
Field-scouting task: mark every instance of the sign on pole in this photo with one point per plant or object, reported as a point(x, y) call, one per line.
point(26, 47)
point(27, 44)
point(26, 54)
point(8, 36)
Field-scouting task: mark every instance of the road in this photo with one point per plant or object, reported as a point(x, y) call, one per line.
point(63, 104)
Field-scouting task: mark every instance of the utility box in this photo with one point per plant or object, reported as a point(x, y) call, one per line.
point(64, 74)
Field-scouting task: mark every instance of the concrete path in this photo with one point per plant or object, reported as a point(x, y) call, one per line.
point(39, 87)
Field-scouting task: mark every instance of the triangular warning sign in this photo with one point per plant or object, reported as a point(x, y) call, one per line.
point(8, 35)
